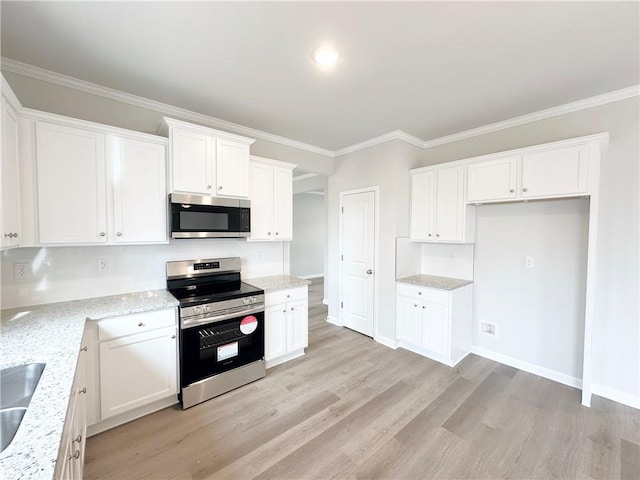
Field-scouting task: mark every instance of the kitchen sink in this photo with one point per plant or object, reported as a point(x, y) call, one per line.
point(17, 385)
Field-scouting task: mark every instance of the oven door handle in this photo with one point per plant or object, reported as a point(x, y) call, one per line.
point(206, 319)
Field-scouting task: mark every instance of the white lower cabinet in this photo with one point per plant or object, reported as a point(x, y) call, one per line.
point(138, 360)
point(70, 463)
point(434, 323)
point(286, 325)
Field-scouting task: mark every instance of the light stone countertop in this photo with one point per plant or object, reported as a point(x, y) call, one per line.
point(52, 334)
point(433, 281)
point(277, 282)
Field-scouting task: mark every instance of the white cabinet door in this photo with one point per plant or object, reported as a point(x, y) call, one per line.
point(556, 172)
point(434, 327)
point(139, 191)
point(261, 196)
point(137, 369)
point(71, 185)
point(492, 180)
point(422, 200)
point(192, 162)
point(232, 168)
point(282, 204)
point(407, 316)
point(10, 234)
point(275, 333)
point(298, 325)
point(450, 205)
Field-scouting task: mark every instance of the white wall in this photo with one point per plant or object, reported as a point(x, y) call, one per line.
point(307, 250)
point(538, 312)
point(69, 273)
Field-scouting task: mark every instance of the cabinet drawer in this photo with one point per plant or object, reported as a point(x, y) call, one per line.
point(135, 323)
point(283, 296)
point(422, 293)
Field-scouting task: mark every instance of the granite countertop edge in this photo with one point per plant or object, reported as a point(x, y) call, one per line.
point(435, 281)
point(273, 283)
point(52, 334)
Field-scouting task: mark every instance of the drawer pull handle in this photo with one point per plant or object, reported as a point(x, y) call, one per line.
point(83, 349)
point(84, 390)
point(78, 439)
point(141, 324)
point(75, 456)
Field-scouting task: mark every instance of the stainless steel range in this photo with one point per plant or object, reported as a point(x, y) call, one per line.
point(221, 327)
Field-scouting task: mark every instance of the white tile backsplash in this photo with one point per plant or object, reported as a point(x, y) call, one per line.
point(70, 273)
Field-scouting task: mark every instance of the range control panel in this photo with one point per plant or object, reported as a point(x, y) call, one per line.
point(206, 266)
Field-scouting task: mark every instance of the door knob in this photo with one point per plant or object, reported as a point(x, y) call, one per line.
point(369, 272)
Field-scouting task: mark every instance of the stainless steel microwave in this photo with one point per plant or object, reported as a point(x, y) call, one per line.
point(200, 216)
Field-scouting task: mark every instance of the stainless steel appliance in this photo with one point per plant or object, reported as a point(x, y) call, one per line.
point(200, 216)
point(221, 327)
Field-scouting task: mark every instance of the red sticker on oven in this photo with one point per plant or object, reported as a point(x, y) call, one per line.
point(248, 324)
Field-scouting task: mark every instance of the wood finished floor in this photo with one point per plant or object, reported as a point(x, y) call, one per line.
point(352, 408)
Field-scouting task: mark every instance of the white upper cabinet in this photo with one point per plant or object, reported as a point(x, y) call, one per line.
point(271, 194)
point(206, 161)
point(95, 187)
point(438, 209)
point(71, 185)
point(138, 171)
point(555, 172)
point(192, 162)
point(543, 173)
point(232, 168)
point(492, 180)
point(10, 235)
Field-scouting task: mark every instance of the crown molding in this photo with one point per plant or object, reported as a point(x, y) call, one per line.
point(66, 81)
point(578, 105)
point(31, 71)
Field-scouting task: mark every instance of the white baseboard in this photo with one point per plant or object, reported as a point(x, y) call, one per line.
point(529, 367)
point(308, 277)
point(386, 341)
point(325, 301)
point(334, 321)
point(615, 395)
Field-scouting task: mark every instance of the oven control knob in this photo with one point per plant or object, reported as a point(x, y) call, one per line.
point(197, 310)
point(245, 300)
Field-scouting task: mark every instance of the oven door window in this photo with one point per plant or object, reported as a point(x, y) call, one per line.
point(218, 347)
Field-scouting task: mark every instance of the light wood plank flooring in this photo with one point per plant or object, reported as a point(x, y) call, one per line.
point(352, 408)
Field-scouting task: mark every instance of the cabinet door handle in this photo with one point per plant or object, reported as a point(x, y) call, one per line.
point(173, 336)
point(141, 324)
point(220, 187)
point(84, 390)
point(208, 187)
point(512, 190)
point(119, 234)
point(75, 456)
point(84, 349)
point(525, 189)
point(276, 233)
point(292, 309)
point(102, 234)
point(78, 439)
point(284, 311)
point(438, 235)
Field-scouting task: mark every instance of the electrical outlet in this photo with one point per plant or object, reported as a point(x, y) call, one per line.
point(488, 328)
point(21, 270)
point(528, 262)
point(103, 264)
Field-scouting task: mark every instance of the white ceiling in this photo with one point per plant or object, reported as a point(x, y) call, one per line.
point(429, 69)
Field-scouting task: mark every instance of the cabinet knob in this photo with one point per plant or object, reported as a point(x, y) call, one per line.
point(276, 233)
point(75, 456)
point(268, 233)
point(423, 307)
point(288, 295)
point(419, 293)
point(292, 309)
point(208, 187)
point(78, 439)
point(119, 234)
point(84, 390)
point(512, 190)
point(102, 234)
point(369, 272)
point(7, 235)
point(525, 189)
point(141, 324)
point(438, 235)
point(415, 304)
point(220, 187)
point(284, 311)
point(429, 235)
point(84, 349)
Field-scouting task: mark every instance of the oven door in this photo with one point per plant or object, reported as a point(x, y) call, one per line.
point(217, 347)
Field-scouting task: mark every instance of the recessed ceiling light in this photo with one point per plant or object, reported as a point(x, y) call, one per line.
point(326, 57)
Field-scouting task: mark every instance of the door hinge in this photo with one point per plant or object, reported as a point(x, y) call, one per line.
point(341, 305)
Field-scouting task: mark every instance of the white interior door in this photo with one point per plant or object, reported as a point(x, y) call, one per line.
point(358, 246)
